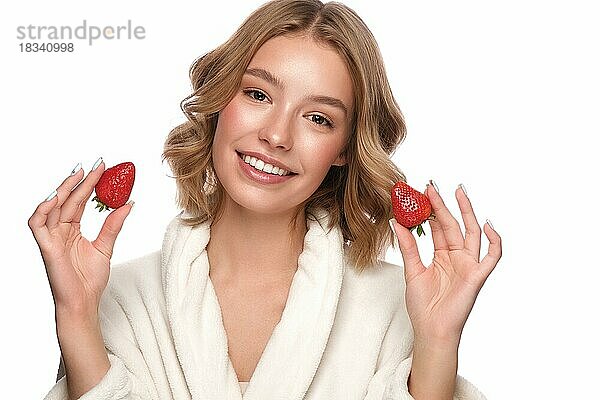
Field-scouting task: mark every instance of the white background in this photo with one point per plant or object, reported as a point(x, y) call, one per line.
point(501, 96)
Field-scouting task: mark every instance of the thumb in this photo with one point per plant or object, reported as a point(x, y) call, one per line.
point(105, 241)
point(413, 265)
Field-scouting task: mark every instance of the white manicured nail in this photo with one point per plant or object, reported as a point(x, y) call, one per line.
point(434, 185)
point(51, 196)
point(394, 232)
point(97, 164)
point(76, 169)
point(462, 187)
point(490, 223)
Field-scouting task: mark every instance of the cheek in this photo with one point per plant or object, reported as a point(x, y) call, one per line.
point(235, 119)
point(321, 155)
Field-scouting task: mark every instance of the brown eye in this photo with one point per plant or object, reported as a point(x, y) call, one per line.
point(321, 120)
point(255, 94)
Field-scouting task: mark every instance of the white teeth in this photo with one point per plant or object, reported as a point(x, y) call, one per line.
point(262, 166)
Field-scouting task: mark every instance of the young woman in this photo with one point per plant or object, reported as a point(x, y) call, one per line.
point(270, 283)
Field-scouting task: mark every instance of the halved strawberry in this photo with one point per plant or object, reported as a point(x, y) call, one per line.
point(114, 187)
point(411, 208)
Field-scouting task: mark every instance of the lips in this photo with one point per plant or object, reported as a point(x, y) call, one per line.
point(266, 160)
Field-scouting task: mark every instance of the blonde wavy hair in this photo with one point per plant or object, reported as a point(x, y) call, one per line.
point(357, 194)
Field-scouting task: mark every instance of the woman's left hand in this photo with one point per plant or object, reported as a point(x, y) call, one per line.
point(440, 298)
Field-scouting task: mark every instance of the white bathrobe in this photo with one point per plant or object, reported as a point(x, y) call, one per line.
point(341, 335)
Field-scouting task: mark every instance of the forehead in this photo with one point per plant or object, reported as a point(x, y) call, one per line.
point(304, 67)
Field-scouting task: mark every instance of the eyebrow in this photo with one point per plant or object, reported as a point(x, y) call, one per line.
point(275, 81)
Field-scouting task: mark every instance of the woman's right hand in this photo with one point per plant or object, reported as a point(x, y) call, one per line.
point(77, 269)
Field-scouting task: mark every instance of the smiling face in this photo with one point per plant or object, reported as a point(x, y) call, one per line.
point(294, 104)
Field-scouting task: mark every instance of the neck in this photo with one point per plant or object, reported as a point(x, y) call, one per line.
point(248, 247)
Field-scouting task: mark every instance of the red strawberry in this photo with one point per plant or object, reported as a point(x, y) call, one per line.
point(411, 208)
point(114, 187)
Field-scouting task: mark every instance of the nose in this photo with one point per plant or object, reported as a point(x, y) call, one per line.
point(278, 133)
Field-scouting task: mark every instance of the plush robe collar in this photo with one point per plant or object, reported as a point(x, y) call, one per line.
point(293, 352)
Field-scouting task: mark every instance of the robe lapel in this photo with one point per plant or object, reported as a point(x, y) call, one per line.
point(294, 350)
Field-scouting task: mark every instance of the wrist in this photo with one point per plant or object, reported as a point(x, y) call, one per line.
point(450, 343)
point(79, 323)
point(434, 368)
point(437, 338)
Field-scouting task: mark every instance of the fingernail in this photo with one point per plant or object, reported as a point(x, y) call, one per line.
point(97, 164)
point(131, 203)
point(462, 187)
point(76, 169)
point(51, 196)
point(490, 224)
point(434, 185)
point(394, 232)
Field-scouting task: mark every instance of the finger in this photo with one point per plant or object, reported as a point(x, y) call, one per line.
point(437, 233)
point(105, 241)
point(472, 229)
point(410, 252)
point(80, 195)
point(450, 227)
point(81, 207)
point(494, 253)
point(63, 192)
point(37, 222)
